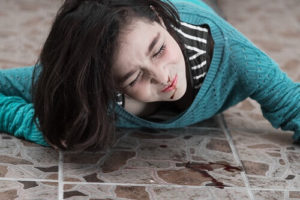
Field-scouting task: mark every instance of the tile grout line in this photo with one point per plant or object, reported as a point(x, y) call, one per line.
point(229, 138)
point(285, 195)
point(149, 185)
point(114, 184)
point(236, 156)
point(60, 176)
point(140, 184)
point(27, 179)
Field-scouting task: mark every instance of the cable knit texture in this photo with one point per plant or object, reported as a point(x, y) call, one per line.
point(238, 70)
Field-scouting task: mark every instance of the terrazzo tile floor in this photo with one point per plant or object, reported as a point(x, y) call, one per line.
point(235, 155)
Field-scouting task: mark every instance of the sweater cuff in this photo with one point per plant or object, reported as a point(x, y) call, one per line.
point(294, 125)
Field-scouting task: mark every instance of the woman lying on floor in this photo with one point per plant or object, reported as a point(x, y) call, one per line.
point(128, 63)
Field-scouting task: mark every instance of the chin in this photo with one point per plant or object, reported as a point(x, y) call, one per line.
point(178, 95)
point(176, 98)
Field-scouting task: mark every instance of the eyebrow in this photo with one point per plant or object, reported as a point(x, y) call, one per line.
point(150, 48)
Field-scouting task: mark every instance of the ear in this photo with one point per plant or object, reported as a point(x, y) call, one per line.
point(161, 21)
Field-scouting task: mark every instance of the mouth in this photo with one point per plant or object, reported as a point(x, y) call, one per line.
point(172, 86)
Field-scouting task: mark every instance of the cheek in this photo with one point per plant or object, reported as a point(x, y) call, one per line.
point(173, 54)
point(140, 92)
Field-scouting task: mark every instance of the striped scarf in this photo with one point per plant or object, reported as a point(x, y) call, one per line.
point(197, 51)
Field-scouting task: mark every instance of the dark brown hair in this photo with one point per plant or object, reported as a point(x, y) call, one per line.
point(73, 89)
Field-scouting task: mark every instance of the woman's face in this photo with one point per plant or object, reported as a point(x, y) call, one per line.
point(149, 65)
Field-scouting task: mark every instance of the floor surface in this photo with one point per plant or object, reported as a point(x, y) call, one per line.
point(235, 155)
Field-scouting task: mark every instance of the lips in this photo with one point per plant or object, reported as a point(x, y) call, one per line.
point(172, 86)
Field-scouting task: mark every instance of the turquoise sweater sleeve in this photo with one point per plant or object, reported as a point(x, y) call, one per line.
point(16, 109)
point(195, 2)
point(16, 117)
point(263, 81)
point(17, 82)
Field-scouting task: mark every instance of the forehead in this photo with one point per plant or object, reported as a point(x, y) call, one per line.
point(134, 41)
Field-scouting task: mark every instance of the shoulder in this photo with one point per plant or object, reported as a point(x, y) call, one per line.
point(192, 3)
point(192, 6)
point(196, 12)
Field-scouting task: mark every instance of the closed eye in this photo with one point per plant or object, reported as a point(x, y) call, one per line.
point(160, 51)
point(135, 80)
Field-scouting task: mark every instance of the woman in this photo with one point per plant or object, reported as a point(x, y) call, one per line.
point(128, 63)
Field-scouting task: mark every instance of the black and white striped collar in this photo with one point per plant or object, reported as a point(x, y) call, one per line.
point(196, 50)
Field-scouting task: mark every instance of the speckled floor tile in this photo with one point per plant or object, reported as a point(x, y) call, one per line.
point(276, 195)
point(268, 195)
point(183, 157)
point(293, 195)
point(270, 160)
point(87, 191)
point(28, 190)
point(200, 193)
point(22, 159)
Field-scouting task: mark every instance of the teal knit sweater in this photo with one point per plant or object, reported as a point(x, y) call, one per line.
point(238, 70)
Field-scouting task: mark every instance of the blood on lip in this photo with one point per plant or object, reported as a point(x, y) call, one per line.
point(172, 86)
point(172, 97)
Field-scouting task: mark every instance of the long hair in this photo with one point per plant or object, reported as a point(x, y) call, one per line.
point(73, 89)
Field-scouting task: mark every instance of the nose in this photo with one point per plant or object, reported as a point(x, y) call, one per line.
point(159, 75)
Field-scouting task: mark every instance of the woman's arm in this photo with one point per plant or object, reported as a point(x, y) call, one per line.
point(264, 82)
point(16, 117)
point(17, 82)
point(16, 109)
